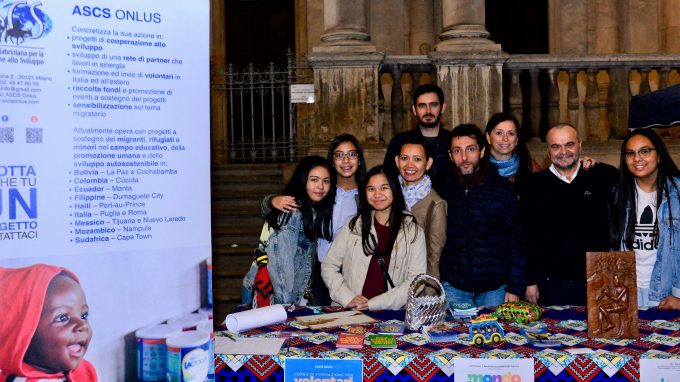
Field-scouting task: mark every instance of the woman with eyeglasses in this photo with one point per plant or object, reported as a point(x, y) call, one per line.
point(374, 258)
point(649, 217)
point(347, 157)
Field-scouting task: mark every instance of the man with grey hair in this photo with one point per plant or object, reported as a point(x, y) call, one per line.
point(567, 213)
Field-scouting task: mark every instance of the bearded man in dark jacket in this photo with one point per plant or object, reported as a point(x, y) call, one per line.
point(484, 260)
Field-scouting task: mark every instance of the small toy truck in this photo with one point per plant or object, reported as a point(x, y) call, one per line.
point(485, 329)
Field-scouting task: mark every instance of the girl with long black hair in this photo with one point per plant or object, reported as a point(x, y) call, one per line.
point(288, 239)
point(649, 217)
point(373, 259)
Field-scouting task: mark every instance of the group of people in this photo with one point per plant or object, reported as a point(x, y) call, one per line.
point(472, 209)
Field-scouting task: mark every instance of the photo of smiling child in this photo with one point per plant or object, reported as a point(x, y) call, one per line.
point(45, 328)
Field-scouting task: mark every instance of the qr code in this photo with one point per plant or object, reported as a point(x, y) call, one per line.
point(34, 135)
point(6, 135)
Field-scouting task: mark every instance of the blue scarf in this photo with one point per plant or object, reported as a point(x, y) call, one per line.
point(508, 167)
point(415, 192)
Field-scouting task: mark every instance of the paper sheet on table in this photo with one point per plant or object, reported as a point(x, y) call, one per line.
point(253, 346)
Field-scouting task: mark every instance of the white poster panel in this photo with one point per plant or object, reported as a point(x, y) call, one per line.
point(483, 369)
point(659, 370)
point(104, 157)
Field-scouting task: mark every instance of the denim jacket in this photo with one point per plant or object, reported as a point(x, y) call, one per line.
point(290, 261)
point(666, 272)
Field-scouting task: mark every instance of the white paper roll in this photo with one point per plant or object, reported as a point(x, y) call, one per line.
point(254, 318)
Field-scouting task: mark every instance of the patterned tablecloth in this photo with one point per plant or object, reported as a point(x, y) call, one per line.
point(416, 359)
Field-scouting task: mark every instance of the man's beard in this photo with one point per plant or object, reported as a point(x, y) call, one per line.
point(428, 125)
point(568, 167)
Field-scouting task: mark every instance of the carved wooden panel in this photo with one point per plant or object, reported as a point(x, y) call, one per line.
point(612, 295)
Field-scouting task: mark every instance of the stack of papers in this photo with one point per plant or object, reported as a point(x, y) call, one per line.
point(464, 311)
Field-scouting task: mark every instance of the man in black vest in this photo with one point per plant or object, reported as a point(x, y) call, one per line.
point(567, 212)
point(428, 106)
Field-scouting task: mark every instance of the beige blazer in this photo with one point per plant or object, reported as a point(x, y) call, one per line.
point(430, 214)
point(345, 267)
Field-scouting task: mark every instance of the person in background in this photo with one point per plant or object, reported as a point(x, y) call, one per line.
point(568, 212)
point(484, 260)
point(374, 258)
point(428, 106)
point(347, 156)
point(421, 199)
point(649, 213)
point(44, 328)
point(288, 239)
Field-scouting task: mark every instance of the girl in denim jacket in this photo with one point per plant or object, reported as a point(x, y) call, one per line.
point(649, 213)
point(289, 238)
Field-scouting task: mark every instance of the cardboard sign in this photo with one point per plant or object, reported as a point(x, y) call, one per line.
point(660, 370)
point(319, 369)
point(482, 369)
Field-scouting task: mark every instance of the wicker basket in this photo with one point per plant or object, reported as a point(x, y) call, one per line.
point(424, 310)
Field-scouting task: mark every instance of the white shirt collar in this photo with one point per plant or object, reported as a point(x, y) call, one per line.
point(563, 178)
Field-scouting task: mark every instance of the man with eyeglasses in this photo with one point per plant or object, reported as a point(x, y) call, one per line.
point(484, 259)
point(567, 213)
point(428, 106)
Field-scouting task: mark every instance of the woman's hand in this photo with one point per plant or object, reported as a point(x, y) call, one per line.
point(284, 203)
point(509, 297)
point(588, 163)
point(532, 294)
point(359, 303)
point(670, 302)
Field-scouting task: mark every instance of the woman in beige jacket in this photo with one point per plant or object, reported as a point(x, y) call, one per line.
point(428, 208)
point(374, 259)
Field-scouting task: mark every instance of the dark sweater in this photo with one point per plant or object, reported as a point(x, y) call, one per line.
point(563, 220)
point(438, 150)
point(484, 241)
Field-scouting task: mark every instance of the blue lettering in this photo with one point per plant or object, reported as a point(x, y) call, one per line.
point(14, 197)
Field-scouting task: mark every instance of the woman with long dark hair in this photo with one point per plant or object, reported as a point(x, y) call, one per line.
point(373, 259)
point(288, 239)
point(347, 157)
point(649, 217)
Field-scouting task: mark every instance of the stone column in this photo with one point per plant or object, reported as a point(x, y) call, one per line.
point(464, 27)
point(473, 86)
point(469, 65)
point(346, 80)
point(670, 26)
point(605, 27)
point(346, 27)
point(421, 22)
point(218, 99)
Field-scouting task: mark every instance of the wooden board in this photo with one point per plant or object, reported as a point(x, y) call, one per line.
point(332, 320)
point(612, 295)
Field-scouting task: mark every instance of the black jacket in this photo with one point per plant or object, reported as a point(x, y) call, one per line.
point(484, 241)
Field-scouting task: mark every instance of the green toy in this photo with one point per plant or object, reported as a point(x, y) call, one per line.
point(520, 312)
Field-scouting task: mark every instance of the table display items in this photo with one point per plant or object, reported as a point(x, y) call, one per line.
point(485, 329)
point(463, 311)
point(612, 295)
point(422, 309)
point(538, 335)
point(518, 311)
point(443, 332)
point(350, 341)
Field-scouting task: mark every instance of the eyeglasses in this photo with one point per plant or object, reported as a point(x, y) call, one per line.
point(644, 153)
point(339, 155)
